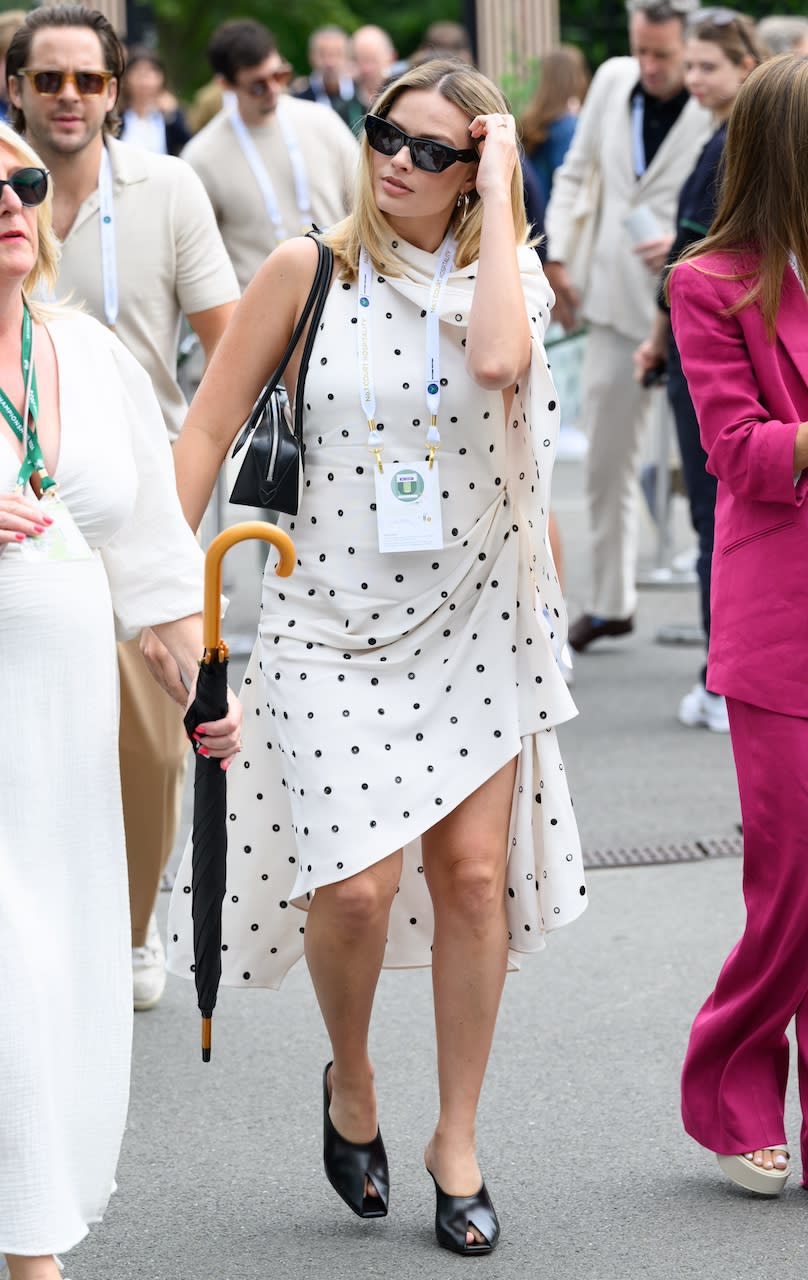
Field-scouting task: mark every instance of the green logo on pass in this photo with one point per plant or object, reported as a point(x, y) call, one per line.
point(407, 486)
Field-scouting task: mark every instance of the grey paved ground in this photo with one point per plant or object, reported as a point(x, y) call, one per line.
point(580, 1140)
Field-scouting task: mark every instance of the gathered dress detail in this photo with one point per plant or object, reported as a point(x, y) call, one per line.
point(386, 688)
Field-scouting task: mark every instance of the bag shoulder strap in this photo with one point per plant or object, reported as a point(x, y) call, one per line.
point(317, 295)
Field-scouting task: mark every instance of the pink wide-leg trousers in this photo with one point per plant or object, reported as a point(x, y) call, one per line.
point(736, 1068)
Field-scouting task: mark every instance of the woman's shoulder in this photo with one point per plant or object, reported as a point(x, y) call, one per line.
point(721, 268)
point(293, 262)
point(88, 343)
point(563, 127)
point(72, 323)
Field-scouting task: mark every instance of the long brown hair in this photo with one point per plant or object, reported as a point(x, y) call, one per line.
point(475, 95)
point(564, 76)
point(762, 216)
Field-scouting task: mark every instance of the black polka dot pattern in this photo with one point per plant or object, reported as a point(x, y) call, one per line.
point(394, 685)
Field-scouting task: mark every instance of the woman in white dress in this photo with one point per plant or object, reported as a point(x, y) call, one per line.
point(90, 533)
point(401, 778)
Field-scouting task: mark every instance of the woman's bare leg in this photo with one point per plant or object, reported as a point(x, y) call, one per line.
point(554, 534)
point(465, 861)
point(43, 1268)
point(345, 937)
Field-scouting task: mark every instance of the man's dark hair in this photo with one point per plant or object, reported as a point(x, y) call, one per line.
point(65, 15)
point(660, 11)
point(237, 44)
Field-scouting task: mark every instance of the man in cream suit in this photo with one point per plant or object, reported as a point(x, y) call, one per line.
point(638, 137)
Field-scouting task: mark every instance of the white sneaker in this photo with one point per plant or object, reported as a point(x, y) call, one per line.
point(148, 970)
point(699, 708)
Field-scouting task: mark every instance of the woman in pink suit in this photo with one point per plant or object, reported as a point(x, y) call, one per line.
point(740, 316)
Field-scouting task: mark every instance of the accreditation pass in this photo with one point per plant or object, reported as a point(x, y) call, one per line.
point(408, 515)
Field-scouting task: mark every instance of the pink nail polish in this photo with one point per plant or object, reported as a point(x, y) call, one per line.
point(39, 528)
point(203, 751)
point(19, 537)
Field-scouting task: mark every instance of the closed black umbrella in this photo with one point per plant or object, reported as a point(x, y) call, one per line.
point(209, 860)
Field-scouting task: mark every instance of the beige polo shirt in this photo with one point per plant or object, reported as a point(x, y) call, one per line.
point(170, 261)
point(330, 154)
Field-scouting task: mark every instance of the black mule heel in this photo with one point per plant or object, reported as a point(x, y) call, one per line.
point(455, 1215)
point(348, 1164)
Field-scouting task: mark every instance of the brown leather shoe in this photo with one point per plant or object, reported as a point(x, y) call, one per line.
point(586, 629)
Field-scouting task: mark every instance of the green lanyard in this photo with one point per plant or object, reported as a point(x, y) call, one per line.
point(33, 462)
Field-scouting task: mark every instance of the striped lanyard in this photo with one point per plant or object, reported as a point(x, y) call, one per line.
point(24, 424)
point(367, 386)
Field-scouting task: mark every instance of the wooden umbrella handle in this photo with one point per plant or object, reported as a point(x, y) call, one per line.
point(213, 569)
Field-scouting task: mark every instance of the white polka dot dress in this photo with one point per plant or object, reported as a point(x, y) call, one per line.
point(385, 689)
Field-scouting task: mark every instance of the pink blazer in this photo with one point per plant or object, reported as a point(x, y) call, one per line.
point(750, 395)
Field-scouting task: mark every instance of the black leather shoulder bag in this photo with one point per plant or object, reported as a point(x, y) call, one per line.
point(271, 474)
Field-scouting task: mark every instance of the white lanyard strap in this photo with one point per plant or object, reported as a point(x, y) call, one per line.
point(109, 261)
point(637, 136)
point(298, 169)
point(446, 258)
point(261, 175)
point(367, 388)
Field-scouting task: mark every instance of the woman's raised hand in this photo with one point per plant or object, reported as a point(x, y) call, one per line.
point(499, 154)
point(20, 519)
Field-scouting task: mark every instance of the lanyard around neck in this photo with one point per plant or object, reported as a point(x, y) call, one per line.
point(637, 134)
point(261, 174)
point(109, 261)
point(367, 386)
point(24, 424)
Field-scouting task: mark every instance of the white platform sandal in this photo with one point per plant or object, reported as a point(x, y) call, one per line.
point(752, 1177)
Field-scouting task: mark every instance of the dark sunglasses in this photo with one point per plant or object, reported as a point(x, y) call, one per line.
point(432, 157)
point(50, 82)
point(30, 186)
point(275, 80)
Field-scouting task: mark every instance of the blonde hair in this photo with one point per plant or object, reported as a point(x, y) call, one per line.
point(475, 95)
point(46, 267)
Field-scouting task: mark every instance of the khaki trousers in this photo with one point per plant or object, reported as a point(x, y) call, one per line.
point(616, 412)
point(153, 754)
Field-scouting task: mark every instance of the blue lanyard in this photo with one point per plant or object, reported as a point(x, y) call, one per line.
point(637, 137)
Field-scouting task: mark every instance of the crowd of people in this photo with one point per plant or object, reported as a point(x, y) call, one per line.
point(401, 702)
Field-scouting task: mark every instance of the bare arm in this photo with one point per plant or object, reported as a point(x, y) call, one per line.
point(653, 352)
point(498, 338)
point(244, 359)
point(210, 325)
